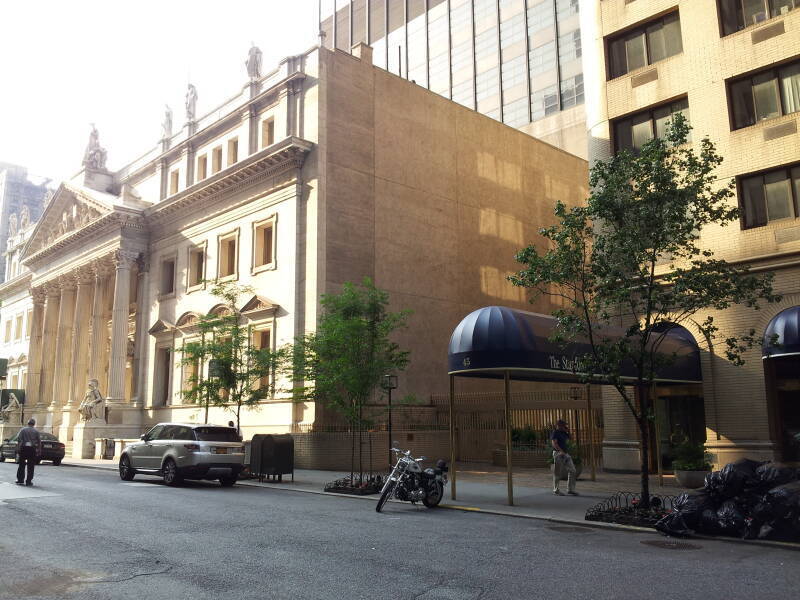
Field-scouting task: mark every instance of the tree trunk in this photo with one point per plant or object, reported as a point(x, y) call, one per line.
point(644, 434)
point(360, 443)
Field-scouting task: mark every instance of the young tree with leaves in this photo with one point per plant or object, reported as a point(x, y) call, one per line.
point(239, 373)
point(342, 364)
point(632, 259)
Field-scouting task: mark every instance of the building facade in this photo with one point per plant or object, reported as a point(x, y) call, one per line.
point(733, 69)
point(17, 191)
point(517, 61)
point(16, 307)
point(323, 171)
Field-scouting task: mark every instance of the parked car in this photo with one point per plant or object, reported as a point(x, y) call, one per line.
point(178, 451)
point(52, 449)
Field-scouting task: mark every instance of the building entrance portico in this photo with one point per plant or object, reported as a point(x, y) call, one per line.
point(85, 311)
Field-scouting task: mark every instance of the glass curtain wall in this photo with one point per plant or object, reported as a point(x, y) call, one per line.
point(513, 60)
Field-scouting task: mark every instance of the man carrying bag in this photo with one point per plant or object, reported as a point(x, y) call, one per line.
point(29, 447)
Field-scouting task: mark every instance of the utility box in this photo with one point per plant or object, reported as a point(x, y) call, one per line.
point(272, 456)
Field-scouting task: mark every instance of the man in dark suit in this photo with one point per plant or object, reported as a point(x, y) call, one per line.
point(29, 447)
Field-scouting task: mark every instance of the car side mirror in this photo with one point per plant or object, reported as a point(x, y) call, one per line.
point(142, 437)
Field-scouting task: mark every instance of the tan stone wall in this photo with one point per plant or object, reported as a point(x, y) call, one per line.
point(735, 398)
point(432, 200)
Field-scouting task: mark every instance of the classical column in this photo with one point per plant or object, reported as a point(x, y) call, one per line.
point(80, 336)
point(142, 339)
point(50, 323)
point(35, 350)
point(63, 345)
point(99, 340)
point(123, 260)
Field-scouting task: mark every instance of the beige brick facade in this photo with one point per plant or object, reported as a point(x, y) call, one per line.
point(737, 411)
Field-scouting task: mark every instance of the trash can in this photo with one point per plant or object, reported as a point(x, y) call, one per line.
point(272, 456)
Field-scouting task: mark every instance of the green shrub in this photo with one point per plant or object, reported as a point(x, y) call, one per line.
point(690, 456)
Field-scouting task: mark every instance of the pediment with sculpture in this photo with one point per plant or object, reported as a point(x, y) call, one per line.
point(71, 209)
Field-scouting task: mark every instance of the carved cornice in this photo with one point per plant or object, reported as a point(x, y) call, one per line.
point(17, 284)
point(290, 154)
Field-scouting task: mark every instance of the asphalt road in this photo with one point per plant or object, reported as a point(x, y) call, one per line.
point(81, 533)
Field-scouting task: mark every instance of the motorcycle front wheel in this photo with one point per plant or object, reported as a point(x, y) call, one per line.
point(387, 491)
point(432, 500)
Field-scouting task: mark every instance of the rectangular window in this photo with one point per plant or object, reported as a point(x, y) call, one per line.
point(202, 167)
point(7, 337)
point(216, 160)
point(191, 371)
point(735, 15)
point(162, 377)
point(228, 255)
point(28, 323)
point(167, 277)
point(197, 266)
point(262, 340)
point(765, 95)
point(18, 327)
point(174, 181)
point(633, 132)
point(264, 244)
point(572, 91)
point(645, 45)
point(233, 151)
point(512, 31)
point(267, 133)
point(769, 196)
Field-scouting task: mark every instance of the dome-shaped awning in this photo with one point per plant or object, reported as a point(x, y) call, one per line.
point(782, 337)
point(496, 339)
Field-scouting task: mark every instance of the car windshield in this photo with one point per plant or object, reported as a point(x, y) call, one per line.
point(216, 434)
point(48, 437)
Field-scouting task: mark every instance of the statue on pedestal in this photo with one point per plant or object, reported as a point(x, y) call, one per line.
point(191, 103)
point(93, 404)
point(9, 409)
point(253, 62)
point(166, 125)
point(95, 156)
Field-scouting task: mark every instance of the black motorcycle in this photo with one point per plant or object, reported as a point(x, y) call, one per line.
point(410, 483)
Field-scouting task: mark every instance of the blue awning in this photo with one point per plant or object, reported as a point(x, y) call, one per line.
point(785, 329)
point(495, 339)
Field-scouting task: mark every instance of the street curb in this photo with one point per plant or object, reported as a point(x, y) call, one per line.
point(501, 513)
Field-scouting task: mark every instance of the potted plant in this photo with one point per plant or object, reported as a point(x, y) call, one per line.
point(575, 451)
point(691, 463)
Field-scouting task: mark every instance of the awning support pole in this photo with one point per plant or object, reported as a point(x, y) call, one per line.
point(452, 438)
point(590, 426)
point(509, 461)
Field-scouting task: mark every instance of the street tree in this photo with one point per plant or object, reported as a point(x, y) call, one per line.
point(239, 373)
point(631, 259)
point(343, 363)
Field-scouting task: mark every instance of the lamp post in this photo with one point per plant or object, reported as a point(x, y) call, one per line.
point(389, 384)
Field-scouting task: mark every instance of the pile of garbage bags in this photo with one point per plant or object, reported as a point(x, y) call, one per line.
point(746, 499)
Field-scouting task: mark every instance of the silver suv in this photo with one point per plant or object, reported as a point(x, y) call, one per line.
point(178, 451)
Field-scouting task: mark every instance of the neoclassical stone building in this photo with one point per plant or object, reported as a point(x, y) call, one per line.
point(322, 171)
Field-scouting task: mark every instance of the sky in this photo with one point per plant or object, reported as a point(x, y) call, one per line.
point(65, 64)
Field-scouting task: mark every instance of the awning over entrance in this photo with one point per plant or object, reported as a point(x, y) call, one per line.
point(494, 340)
point(786, 326)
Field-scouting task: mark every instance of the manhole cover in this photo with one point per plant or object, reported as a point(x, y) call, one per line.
point(569, 529)
point(670, 545)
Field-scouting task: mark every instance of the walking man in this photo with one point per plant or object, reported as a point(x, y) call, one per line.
point(29, 446)
point(562, 461)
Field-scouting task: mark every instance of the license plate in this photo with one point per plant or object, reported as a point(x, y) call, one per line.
point(221, 450)
point(47, 445)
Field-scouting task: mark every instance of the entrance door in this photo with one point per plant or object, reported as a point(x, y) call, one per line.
point(784, 372)
point(680, 417)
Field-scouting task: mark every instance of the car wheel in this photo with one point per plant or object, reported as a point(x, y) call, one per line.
point(228, 481)
point(126, 472)
point(56, 462)
point(170, 473)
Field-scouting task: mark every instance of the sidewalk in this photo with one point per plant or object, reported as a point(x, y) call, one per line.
point(479, 488)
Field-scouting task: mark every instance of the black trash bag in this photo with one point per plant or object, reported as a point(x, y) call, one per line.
point(708, 522)
point(691, 505)
point(771, 475)
point(766, 532)
point(784, 501)
point(673, 524)
point(746, 470)
point(762, 512)
point(713, 483)
point(730, 520)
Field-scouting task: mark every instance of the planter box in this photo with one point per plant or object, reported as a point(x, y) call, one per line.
point(691, 479)
point(529, 459)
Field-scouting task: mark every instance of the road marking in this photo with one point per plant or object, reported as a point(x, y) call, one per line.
point(472, 508)
point(12, 491)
